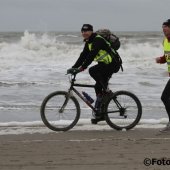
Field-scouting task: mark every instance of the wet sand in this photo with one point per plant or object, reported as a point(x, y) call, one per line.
point(85, 150)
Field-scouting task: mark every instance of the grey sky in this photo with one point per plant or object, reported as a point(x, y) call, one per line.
point(69, 15)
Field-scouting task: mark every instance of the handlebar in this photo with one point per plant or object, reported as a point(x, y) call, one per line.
point(72, 77)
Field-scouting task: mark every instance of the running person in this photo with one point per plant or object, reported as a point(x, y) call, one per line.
point(166, 59)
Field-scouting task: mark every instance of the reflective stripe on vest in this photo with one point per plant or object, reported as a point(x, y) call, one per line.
point(102, 56)
point(167, 52)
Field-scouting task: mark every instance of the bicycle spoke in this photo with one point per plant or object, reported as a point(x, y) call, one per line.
point(123, 110)
point(60, 113)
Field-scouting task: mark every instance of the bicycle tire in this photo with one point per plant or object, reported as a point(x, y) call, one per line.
point(118, 122)
point(58, 98)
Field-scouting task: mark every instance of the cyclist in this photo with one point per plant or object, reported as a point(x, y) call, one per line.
point(166, 59)
point(96, 49)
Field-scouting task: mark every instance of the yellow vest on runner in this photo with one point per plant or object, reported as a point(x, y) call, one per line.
point(166, 46)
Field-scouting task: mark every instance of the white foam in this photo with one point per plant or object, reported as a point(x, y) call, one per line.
point(83, 124)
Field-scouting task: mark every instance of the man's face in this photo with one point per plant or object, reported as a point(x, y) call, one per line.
point(166, 30)
point(86, 34)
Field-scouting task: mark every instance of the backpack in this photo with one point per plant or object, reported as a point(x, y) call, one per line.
point(110, 37)
point(117, 64)
point(115, 44)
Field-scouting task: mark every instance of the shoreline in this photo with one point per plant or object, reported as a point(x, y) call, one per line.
point(95, 149)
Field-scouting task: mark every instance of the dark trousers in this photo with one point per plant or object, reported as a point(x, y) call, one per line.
point(166, 98)
point(101, 73)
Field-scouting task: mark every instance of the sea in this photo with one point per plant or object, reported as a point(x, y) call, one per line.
point(34, 64)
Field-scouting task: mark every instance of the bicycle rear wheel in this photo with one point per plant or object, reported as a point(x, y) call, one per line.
point(123, 110)
point(59, 111)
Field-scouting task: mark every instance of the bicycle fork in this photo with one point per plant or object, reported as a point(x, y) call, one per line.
point(67, 97)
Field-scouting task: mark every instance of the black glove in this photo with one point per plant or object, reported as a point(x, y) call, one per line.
point(74, 70)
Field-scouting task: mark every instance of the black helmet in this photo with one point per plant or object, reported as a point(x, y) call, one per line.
point(167, 23)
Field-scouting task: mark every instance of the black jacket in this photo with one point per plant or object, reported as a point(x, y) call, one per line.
point(87, 56)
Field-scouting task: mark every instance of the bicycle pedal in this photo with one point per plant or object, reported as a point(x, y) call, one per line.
point(96, 120)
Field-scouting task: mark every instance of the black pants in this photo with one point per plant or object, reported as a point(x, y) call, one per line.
point(166, 98)
point(101, 73)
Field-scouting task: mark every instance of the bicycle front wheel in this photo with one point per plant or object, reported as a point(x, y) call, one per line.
point(59, 111)
point(123, 110)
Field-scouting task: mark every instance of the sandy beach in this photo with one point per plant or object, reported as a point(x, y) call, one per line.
point(82, 150)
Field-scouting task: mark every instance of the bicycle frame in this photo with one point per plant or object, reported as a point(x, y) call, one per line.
point(72, 81)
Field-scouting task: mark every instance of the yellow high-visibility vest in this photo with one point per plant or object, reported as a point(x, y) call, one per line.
point(102, 56)
point(166, 45)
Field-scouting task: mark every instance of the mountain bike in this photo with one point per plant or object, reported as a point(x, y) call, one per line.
point(60, 110)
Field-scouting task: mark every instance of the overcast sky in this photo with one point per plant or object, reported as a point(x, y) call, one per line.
point(69, 15)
